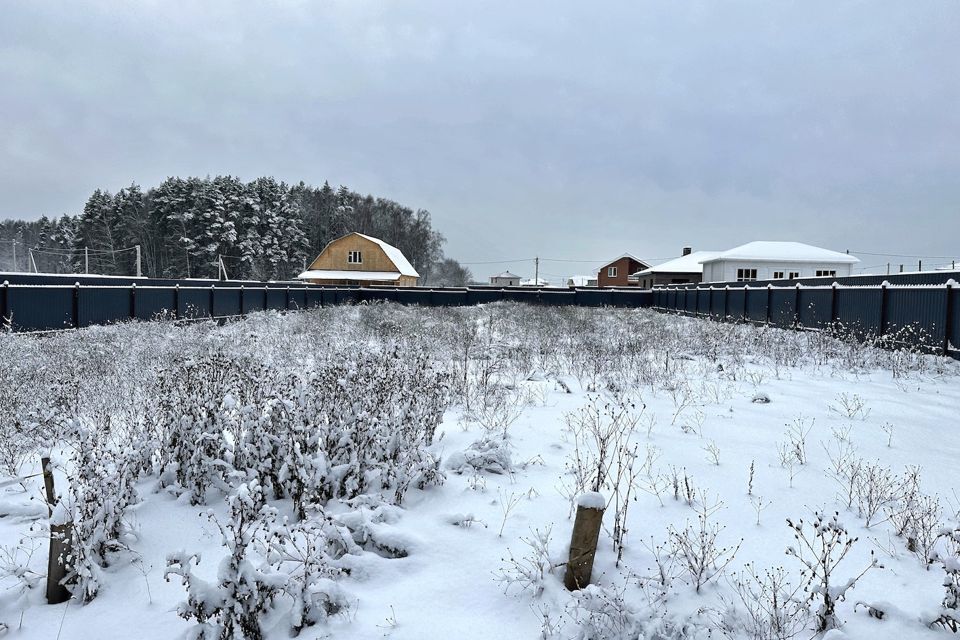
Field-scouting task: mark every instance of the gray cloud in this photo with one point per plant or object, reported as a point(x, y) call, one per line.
point(569, 130)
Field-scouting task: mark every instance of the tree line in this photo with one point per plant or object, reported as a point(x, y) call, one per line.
point(187, 227)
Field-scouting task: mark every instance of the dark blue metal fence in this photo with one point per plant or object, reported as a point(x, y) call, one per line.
point(916, 315)
point(41, 303)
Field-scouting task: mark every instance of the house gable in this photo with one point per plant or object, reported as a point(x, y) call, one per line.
point(335, 256)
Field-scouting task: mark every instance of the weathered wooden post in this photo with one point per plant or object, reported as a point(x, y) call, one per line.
point(583, 540)
point(60, 534)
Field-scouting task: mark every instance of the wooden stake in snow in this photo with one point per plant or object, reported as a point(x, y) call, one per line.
point(57, 567)
point(583, 541)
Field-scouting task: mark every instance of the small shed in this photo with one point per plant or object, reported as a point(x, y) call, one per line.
point(505, 279)
point(358, 259)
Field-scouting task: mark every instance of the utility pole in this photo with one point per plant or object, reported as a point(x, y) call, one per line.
point(139, 272)
point(14, 254)
point(33, 261)
point(888, 268)
point(86, 260)
point(536, 271)
point(222, 270)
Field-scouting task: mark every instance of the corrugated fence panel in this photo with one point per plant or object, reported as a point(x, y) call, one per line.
point(859, 310)
point(226, 302)
point(756, 305)
point(735, 300)
point(592, 297)
point(40, 309)
point(150, 302)
point(814, 307)
point(480, 296)
point(916, 316)
point(298, 299)
point(348, 296)
point(97, 305)
point(448, 298)
point(313, 298)
point(559, 298)
point(253, 299)
point(783, 307)
point(690, 300)
point(193, 302)
point(718, 302)
point(519, 295)
point(277, 299)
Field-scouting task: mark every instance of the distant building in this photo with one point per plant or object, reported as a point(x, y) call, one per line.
point(356, 259)
point(505, 279)
point(686, 268)
point(776, 261)
point(616, 272)
point(530, 282)
point(581, 281)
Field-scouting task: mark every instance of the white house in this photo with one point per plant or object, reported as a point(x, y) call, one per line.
point(775, 261)
point(505, 279)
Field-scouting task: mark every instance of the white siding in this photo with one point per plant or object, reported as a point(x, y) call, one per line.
point(726, 270)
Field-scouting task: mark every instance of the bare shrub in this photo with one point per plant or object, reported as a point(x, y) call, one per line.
point(820, 550)
point(695, 547)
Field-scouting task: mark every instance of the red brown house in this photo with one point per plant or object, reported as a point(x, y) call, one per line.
point(615, 272)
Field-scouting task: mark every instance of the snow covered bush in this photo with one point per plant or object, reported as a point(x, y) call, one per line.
point(948, 555)
point(309, 554)
point(233, 607)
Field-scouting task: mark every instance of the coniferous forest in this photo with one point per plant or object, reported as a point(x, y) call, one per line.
point(262, 230)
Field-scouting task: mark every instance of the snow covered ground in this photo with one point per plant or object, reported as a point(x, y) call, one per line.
point(718, 434)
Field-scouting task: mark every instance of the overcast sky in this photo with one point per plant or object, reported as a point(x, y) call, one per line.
point(573, 130)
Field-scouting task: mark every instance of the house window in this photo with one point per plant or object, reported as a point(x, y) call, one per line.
point(778, 275)
point(611, 272)
point(746, 275)
point(794, 274)
point(826, 273)
point(354, 257)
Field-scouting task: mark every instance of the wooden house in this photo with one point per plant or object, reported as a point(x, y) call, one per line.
point(356, 259)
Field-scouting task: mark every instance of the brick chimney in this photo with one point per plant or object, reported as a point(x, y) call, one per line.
point(687, 251)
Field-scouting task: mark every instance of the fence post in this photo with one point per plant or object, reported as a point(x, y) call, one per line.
point(5, 304)
point(948, 327)
point(769, 301)
point(213, 293)
point(796, 307)
point(746, 307)
point(883, 308)
point(133, 301)
point(726, 302)
point(176, 301)
point(60, 535)
point(583, 540)
point(288, 297)
point(241, 299)
point(76, 305)
point(833, 303)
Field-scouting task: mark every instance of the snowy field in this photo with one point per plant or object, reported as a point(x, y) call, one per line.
point(380, 471)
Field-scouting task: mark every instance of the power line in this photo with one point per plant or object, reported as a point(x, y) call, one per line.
point(900, 255)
